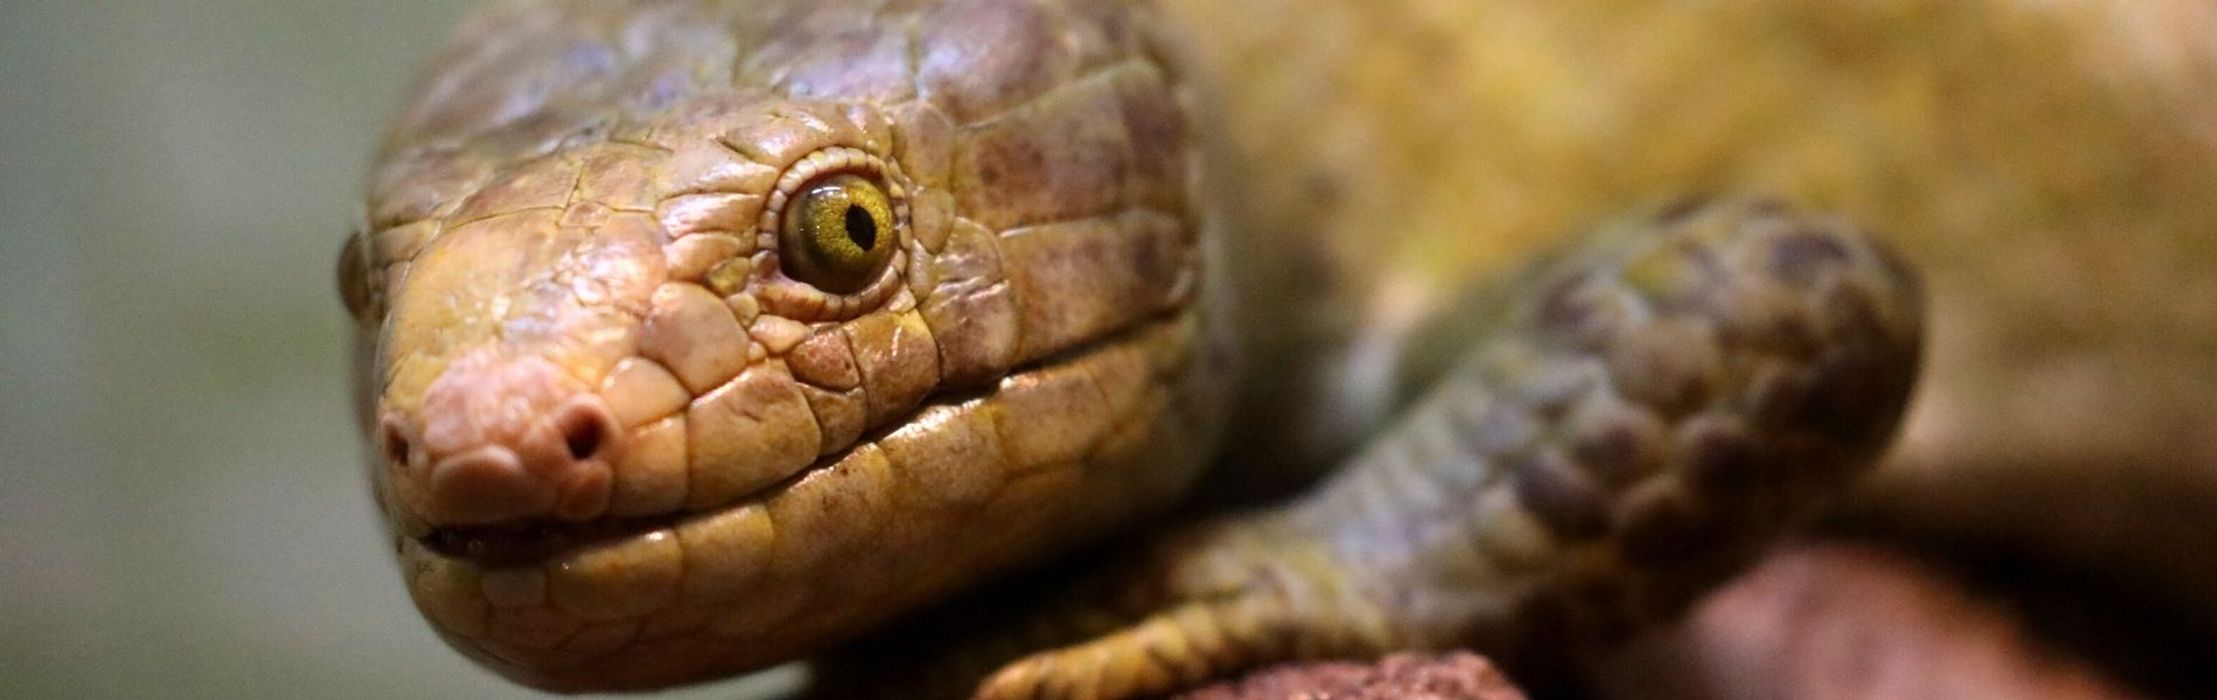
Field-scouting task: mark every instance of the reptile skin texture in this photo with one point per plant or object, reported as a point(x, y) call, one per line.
point(1350, 334)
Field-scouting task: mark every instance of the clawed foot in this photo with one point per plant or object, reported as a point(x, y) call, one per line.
point(1233, 600)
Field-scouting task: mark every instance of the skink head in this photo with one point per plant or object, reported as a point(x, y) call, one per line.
point(704, 338)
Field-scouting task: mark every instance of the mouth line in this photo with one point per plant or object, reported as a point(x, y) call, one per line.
point(518, 544)
point(534, 541)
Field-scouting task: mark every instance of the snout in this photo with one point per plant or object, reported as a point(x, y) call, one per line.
point(499, 441)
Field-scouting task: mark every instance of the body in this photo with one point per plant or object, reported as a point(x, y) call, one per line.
point(1367, 175)
point(2047, 164)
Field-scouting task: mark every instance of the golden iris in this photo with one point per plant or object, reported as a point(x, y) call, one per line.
point(838, 234)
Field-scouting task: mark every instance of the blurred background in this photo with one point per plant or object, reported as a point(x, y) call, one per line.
point(182, 513)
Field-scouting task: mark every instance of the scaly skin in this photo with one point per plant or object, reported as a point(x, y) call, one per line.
point(626, 451)
point(622, 448)
point(1652, 411)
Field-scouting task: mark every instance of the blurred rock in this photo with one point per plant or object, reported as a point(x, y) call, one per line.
point(1850, 621)
point(1454, 676)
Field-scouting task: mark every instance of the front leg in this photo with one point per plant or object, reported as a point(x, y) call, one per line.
point(1663, 404)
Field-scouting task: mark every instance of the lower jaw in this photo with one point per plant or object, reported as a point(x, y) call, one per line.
point(539, 603)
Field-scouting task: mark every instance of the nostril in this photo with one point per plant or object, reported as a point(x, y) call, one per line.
point(584, 439)
point(392, 441)
point(586, 428)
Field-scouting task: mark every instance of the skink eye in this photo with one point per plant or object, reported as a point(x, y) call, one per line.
point(838, 234)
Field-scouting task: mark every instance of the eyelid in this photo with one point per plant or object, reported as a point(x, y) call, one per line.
point(782, 284)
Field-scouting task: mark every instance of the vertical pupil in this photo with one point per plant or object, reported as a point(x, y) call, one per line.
point(861, 229)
